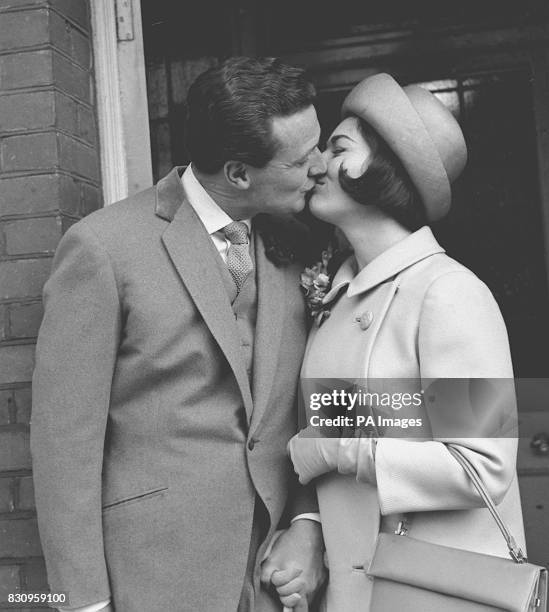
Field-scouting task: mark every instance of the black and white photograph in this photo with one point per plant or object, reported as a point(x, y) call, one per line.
point(274, 305)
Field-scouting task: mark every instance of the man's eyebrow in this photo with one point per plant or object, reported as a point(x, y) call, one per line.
point(303, 157)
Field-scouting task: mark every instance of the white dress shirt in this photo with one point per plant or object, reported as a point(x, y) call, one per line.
point(212, 216)
point(214, 220)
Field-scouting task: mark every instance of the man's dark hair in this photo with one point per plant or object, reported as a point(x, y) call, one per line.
point(385, 184)
point(231, 107)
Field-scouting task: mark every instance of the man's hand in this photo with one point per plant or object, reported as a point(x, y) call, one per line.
point(295, 565)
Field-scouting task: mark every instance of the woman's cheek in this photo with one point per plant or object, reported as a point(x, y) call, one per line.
point(333, 170)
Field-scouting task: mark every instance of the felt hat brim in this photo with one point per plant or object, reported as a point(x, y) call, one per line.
point(421, 132)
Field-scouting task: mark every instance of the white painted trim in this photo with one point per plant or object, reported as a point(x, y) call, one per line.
point(135, 107)
point(122, 107)
point(109, 109)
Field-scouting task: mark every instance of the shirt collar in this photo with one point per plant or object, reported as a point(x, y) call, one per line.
point(402, 255)
point(213, 217)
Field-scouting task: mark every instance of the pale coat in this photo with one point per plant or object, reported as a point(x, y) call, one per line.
point(432, 318)
point(149, 443)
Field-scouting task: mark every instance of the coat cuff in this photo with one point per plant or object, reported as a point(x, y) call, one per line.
point(357, 456)
point(311, 516)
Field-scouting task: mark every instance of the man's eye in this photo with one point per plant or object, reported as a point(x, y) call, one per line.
point(337, 151)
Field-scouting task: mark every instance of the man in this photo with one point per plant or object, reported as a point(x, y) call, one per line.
point(167, 365)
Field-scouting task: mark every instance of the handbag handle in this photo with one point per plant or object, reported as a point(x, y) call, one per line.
point(514, 550)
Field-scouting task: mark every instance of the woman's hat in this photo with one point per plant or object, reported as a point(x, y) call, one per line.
point(419, 129)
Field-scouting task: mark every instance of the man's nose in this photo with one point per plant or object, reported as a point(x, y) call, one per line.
point(318, 165)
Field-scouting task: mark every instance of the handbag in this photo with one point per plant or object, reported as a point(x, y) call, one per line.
point(416, 576)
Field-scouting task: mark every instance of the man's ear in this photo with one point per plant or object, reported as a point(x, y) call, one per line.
point(236, 174)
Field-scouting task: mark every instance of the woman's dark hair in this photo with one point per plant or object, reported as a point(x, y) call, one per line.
point(230, 109)
point(385, 184)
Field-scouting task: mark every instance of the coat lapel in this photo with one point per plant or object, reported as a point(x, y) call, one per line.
point(271, 303)
point(193, 255)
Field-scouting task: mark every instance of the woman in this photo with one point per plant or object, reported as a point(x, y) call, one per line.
point(402, 313)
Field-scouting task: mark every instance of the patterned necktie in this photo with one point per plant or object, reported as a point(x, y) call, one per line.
point(239, 260)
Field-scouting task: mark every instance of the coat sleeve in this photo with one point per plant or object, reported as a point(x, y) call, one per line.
point(461, 335)
point(75, 360)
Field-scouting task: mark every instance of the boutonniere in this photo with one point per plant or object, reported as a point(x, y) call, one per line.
point(315, 283)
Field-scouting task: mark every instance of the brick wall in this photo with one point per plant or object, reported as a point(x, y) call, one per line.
point(49, 178)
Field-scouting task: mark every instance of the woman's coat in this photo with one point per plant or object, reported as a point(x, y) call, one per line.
point(411, 316)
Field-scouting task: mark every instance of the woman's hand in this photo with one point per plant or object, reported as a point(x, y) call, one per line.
point(289, 588)
point(312, 455)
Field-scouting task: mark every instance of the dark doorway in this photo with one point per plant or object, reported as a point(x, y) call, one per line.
point(495, 226)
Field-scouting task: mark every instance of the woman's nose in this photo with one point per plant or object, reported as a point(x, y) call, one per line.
point(318, 165)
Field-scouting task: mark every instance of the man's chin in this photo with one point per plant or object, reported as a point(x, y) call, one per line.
point(301, 204)
point(308, 196)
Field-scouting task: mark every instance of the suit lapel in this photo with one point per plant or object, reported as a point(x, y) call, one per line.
point(271, 302)
point(194, 257)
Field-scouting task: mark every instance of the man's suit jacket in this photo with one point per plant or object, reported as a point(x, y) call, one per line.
point(149, 443)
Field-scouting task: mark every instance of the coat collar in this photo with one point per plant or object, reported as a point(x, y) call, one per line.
point(407, 252)
point(169, 194)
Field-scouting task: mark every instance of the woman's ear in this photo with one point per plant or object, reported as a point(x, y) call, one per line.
point(236, 174)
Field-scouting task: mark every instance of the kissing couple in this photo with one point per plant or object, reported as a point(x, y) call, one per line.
point(169, 472)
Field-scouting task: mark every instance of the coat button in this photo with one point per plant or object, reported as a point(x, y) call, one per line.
point(365, 319)
point(251, 444)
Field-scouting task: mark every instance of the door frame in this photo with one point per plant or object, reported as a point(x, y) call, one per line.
point(121, 92)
